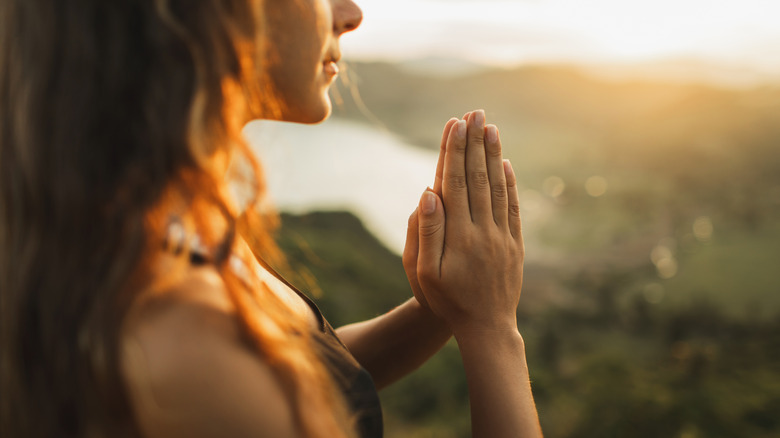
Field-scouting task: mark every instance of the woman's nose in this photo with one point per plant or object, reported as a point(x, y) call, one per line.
point(346, 16)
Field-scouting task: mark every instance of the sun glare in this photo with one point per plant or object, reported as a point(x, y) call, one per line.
point(613, 31)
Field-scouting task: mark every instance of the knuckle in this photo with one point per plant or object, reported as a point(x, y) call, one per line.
point(514, 211)
point(456, 182)
point(477, 139)
point(479, 179)
point(467, 240)
point(428, 230)
point(521, 252)
point(498, 190)
point(492, 242)
point(499, 240)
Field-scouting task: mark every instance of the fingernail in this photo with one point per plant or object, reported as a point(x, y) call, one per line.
point(461, 129)
point(492, 134)
point(479, 118)
point(428, 202)
point(508, 168)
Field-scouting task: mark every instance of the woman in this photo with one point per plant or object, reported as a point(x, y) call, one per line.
point(135, 295)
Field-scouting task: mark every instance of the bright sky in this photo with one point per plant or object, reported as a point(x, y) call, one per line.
point(737, 32)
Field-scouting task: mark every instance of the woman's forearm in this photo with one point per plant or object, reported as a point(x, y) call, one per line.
point(394, 344)
point(499, 385)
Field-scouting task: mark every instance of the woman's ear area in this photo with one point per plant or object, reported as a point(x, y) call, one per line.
point(347, 16)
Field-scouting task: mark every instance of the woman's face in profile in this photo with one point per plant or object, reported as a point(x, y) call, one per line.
point(303, 37)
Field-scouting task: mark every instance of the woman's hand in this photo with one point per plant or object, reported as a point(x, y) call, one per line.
point(411, 247)
point(470, 266)
point(469, 272)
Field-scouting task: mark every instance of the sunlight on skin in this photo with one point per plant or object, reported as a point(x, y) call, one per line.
point(509, 32)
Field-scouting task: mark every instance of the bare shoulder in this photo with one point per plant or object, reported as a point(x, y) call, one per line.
point(189, 374)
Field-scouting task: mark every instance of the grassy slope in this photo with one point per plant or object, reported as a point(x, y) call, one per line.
point(355, 277)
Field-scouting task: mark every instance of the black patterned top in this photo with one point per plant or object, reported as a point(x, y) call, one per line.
point(353, 380)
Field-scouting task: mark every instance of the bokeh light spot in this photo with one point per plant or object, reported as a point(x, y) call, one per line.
point(702, 228)
point(659, 253)
point(663, 258)
point(596, 186)
point(667, 268)
point(554, 186)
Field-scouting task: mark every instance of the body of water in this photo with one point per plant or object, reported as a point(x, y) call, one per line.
point(342, 165)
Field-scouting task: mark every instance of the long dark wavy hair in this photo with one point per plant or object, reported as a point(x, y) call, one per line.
point(109, 109)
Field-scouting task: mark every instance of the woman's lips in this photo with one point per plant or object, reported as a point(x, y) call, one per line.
point(331, 69)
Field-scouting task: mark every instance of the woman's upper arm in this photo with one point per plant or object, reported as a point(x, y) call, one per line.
point(189, 376)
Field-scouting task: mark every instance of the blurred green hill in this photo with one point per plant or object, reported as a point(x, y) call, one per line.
point(342, 265)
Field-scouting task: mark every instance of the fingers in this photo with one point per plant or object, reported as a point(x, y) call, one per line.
point(431, 236)
point(454, 188)
point(442, 152)
point(513, 200)
point(410, 256)
point(495, 168)
point(476, 170)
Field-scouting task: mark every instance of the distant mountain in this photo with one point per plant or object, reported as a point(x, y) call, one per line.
point(442, 67)
point(531, 101)
point(688, 70)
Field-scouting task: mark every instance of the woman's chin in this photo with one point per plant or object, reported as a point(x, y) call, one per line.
point(314, 119)
point(313, 114)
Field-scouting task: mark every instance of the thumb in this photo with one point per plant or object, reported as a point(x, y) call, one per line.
point(431, 235)
point(409, 258)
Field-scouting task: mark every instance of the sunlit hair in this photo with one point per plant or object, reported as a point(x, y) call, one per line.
point(112, 117)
